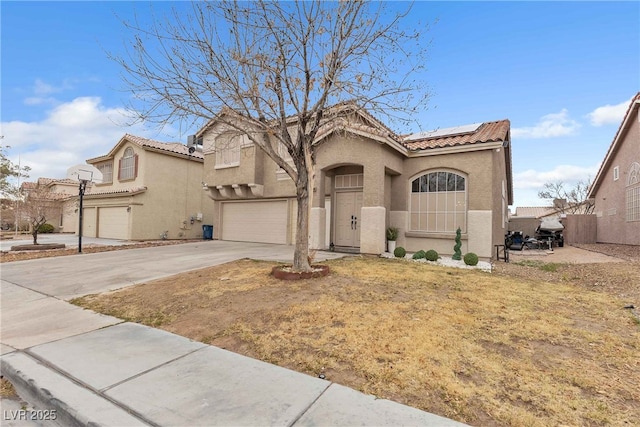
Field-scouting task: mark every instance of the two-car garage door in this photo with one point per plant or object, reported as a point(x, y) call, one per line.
point(107, 222)
point(264, 221)
point(113, 223)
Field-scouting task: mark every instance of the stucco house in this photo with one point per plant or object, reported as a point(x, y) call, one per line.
point(367, 179)
point(616, 188)
point(148, 188)
point(46, 197)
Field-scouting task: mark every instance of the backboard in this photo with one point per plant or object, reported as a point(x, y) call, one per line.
point(85, 173)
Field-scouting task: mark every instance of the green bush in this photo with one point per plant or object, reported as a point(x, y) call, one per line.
point(420, 254)
point(471, 259)
point(46, 228)
point(400, 252)
point(431, 255)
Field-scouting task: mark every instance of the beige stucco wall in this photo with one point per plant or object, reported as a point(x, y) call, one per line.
point(482, 231)
point(174, 195)
point(117, 184)
point(610, 199)
point(69, 216)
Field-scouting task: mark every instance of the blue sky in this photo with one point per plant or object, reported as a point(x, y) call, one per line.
point(562, 72)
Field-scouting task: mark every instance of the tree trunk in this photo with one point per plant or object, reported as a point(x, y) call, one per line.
point(303, 190)
point(301, 252)
point(35, 236)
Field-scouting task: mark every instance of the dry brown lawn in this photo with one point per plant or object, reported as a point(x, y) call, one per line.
point(482, 348)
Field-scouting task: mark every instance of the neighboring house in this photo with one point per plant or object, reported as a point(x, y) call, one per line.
point(616, 188)
point(148, 188)
point(47, 198)
point(367, 179)
point(526, 219)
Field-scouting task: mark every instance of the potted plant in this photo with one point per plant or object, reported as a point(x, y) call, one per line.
point(392, 236)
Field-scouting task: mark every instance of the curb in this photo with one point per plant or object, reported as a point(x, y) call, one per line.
point(59, 400)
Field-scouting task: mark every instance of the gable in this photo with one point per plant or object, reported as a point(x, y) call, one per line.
point(632, 116)
point(169, 148)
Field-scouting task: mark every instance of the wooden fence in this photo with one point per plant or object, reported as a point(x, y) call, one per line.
point(579, 229)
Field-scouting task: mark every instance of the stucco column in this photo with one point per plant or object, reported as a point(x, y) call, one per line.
point(373, 189)
point(318, 216)
point(319, 190)
point(373, 214)
point(317, 228)
point(372, 233)
point(479, 231)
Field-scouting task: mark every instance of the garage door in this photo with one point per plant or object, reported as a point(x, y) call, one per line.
point(264, 221)
point(113, 223)
point(89, 222)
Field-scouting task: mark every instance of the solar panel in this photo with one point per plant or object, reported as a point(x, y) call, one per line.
point(456, 130)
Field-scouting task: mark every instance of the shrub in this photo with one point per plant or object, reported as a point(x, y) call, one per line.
point(420, 254)
point(431, 255)
point(392, 233)
point(457, 255)
point(46, 228)
point(471, 259)
point(400, 252)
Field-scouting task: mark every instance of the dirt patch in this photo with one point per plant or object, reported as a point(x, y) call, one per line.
point(525, 345)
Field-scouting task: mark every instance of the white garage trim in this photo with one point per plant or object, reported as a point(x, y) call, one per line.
point(113, 223)
point(264, 221)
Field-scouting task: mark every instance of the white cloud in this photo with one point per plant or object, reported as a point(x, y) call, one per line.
point(549, 126)
point(70, 133)
point(608, 114)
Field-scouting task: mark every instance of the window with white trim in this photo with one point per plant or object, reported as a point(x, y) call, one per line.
point(228, 150)
point(438, 202)
point(127, 165)
point(107, 171)
point(616, 173)
point(281, 174)
point(633, 193)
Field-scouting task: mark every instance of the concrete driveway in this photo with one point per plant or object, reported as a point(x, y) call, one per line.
point(71, 240)
point(68, 277)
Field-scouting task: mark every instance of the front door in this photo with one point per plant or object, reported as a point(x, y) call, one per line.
point(347, 221)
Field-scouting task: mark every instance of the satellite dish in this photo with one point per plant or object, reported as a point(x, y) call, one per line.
point(85, 173)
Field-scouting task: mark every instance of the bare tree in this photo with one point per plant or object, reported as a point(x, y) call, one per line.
point(39, 205)
point(271, 70)
point(9, 170)
point(569, 200)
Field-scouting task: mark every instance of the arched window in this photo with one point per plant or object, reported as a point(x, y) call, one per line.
point(438, 202)
point(128, 165)
point(633, 193)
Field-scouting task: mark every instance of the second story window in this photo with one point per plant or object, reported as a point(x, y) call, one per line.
point(228, 150)
point(128, 165)
point(107, 171)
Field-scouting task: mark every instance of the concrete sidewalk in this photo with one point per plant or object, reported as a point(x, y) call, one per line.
point(93, 369)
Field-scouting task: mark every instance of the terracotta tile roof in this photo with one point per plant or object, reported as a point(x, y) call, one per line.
point(172, 147)
point(485, 132)
point(132, 190)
